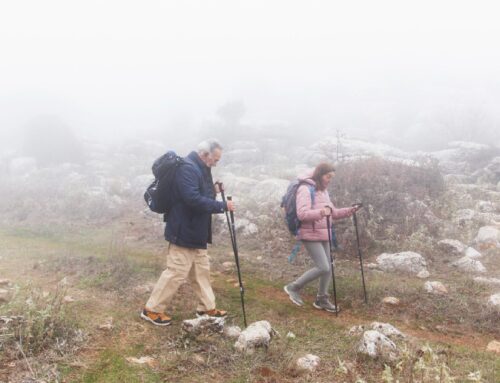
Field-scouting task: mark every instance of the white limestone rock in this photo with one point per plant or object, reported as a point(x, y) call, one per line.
point(203, 323)
point(488, 237)
point(469, 265)
point(472, 253)
point(435, 287)
point(257, 334)
point(388, 330)
point(232, 332)
point(377, 346)
point(308, 362)
point(406, 261)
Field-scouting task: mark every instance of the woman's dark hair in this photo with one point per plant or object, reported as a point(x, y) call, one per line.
point(320, 170)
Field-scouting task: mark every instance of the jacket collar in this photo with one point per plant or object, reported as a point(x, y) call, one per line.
point(193, 156)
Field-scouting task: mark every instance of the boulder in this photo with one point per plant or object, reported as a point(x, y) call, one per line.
point(488, 237)
point(391, 301)
point(472, 253)
point(406, 261)
point(435, 287)
point(257, 334)
point(377, 346)
point(388, 330)
point(451, 246)
point(203, 323)
point(469, 265)
point(308, 362)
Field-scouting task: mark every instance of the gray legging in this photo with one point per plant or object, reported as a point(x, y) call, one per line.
point(319, 251)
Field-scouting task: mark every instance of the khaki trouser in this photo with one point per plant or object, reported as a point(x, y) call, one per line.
point(182, 263)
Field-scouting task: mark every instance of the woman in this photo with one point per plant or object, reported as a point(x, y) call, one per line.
point(313, 208)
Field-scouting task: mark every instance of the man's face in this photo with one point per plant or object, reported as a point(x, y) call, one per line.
point(213, 157)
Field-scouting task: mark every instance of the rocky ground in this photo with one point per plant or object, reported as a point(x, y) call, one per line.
point(79, 254)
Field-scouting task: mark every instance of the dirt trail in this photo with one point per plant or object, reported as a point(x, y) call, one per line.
point(346, 318)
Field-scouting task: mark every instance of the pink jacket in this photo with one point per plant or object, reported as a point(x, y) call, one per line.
point(313, 226)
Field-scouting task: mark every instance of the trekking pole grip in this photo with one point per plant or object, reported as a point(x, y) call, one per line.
point(231, 213)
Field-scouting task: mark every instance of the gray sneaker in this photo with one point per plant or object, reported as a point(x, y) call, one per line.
point(293, 294)
point(323, 303)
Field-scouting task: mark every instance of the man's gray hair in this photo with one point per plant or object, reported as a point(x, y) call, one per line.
point(208, 146)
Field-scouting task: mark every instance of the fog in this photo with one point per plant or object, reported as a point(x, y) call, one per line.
point(414, 75)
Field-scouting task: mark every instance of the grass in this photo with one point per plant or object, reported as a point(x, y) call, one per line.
point(106, 273)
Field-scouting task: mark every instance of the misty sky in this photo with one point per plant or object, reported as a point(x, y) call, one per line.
point(104, 66)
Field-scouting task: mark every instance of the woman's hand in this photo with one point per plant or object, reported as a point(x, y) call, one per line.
point(326, 211)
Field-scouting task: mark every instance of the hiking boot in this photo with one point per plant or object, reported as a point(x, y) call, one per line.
point(323, 303)
point(158, 319)
point(212, 313)
point(293, 294)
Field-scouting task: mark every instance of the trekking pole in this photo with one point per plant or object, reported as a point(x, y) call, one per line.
point(333, 265)
point(237, 260)
point(355, 219)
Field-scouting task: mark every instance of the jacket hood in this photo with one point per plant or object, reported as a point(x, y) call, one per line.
point(307, 177)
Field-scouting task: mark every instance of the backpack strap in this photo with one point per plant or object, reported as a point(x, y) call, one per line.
point(298, 244)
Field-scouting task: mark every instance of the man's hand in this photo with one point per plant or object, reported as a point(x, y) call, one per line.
point(230, 206)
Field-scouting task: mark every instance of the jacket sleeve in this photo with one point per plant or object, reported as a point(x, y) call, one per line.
point(190, 192)
point(303, 201)
point(341, 213)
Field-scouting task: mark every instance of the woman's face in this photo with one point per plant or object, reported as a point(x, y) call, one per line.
point(326, 178)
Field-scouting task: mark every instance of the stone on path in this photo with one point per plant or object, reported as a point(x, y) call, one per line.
point(308, 362)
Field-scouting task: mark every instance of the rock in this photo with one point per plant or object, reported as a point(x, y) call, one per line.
point(107, 325)
point(4, 296)
point(232, 332)
point(406, 261)
point(388, 330)
point(490, 281)
point(258, 334)
point(472, 253)
point(469, 265)
point(423, 274)
point(68, 299)
point(495, 300)
point(144, 289)
point(290, 335)
point(4, 282)
point(151, 362)
point(391, 301)
point(451, 246)
point(356, 330)
point(493, 346)
point(376, 345)
point(198, 359)
point(435, 287)
point(228, 266)
point(205, 322)
point(308, 362)
point(488, 237)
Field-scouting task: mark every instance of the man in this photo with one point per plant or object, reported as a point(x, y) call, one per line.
point(188, 230)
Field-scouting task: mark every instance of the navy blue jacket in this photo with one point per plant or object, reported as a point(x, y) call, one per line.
point(189, 222)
